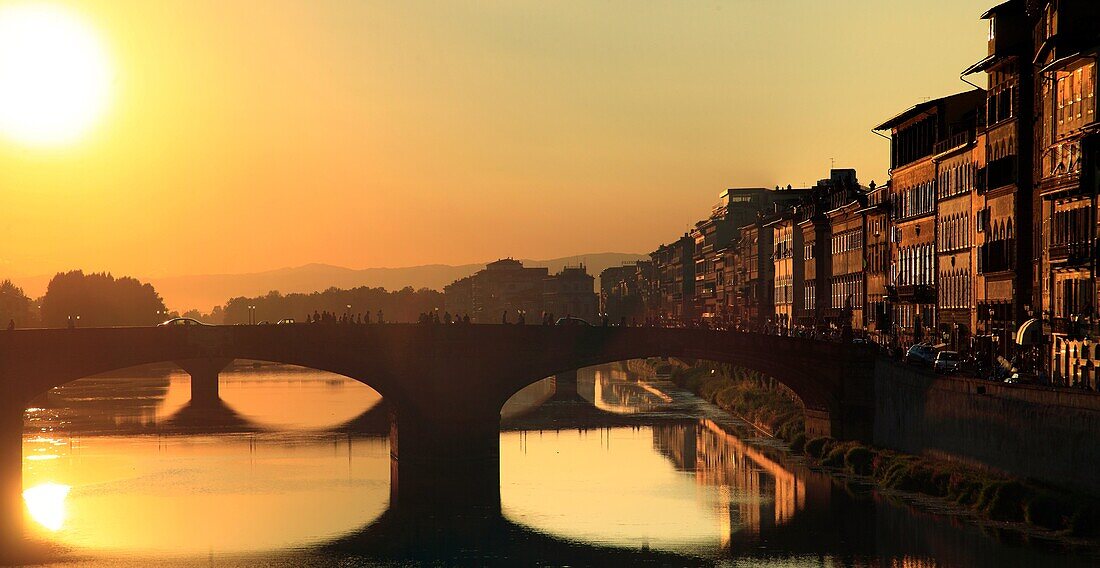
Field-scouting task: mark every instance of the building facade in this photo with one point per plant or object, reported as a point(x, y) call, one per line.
point(506, 290)
point(1065, 40)
point(915, 137)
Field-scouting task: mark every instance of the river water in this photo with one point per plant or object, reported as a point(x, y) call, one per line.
point(293, 469)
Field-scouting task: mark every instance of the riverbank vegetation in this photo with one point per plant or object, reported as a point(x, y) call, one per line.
point(758, 399)
point(773, 408)
point(991, 495)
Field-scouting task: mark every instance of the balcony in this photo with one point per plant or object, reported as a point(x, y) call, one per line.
point(997, 256)
point(960, 139)
point(1072, 253)
point(913, 294)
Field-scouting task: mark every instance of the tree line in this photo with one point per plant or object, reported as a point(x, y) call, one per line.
point(403, 305)
point(74, 298)
point(99, 299)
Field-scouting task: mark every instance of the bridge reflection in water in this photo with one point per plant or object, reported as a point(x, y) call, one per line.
point(673, 492)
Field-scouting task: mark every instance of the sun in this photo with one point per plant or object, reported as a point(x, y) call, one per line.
point(55, 75)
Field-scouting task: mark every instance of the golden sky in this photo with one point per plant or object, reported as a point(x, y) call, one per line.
point(250, 135)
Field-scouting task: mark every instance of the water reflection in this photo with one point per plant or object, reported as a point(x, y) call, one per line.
point(155, 399)
point(613, 391)
point(693, 494)
point(207, 494)
point(677, 486)
point(625, 494)
point(46, 504)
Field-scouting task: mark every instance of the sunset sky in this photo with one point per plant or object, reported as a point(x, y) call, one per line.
point(243, 136)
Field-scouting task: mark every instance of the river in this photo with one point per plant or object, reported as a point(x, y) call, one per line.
point(293, 469)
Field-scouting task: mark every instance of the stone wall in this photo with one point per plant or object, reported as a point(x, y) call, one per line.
point(1028, 431)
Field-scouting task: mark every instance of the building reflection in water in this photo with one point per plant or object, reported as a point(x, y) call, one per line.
point(613, 392)
point(758, 493)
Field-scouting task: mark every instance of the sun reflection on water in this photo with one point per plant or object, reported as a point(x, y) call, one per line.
point(46, 504)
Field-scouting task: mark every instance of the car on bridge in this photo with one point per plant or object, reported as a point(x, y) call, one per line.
point(921, 354)
point(570, 320)
point(947, 362)
point(174, 322)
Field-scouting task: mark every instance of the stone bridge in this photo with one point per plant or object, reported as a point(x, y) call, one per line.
point(444, 384)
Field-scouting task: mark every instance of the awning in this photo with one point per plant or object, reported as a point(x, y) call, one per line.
point(1030, 333)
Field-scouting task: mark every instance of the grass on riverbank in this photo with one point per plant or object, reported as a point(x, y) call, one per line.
point(748, 394)
point(1000, 498)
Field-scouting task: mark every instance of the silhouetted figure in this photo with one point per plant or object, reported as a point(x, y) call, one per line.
point(466, 318)
point(603, 320)
point(11, 324)
point(504, 317)
point(366, 318)
point(622, 322)
point(380, 318)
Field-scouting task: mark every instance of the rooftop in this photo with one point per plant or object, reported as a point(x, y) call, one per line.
point(975, 96)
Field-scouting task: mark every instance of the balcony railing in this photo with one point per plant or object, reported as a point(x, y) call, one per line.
point(997, 256)
point(955, 141)
point(1072, 253)
point(913, 293)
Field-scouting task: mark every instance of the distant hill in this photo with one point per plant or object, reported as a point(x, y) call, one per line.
point(205, 291)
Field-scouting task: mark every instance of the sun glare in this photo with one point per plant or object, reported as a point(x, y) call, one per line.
point(55, 75)
point(46, 504)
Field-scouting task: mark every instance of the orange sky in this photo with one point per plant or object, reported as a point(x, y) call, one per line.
point(244, 136)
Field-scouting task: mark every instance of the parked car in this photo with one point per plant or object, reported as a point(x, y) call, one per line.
point(284, 321)
point(921, 354)
point(572, 321)
point(180, 322)
point(947, 362)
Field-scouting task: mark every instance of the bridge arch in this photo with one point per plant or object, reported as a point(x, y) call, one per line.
point(833, 380)
point(814, 394)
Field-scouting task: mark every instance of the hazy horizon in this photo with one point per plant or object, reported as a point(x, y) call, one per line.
point(249, 136)
point(183, 292)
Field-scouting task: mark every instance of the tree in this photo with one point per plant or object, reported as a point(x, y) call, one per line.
point(404, 305)
point(99, 299)
point(15, 306)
